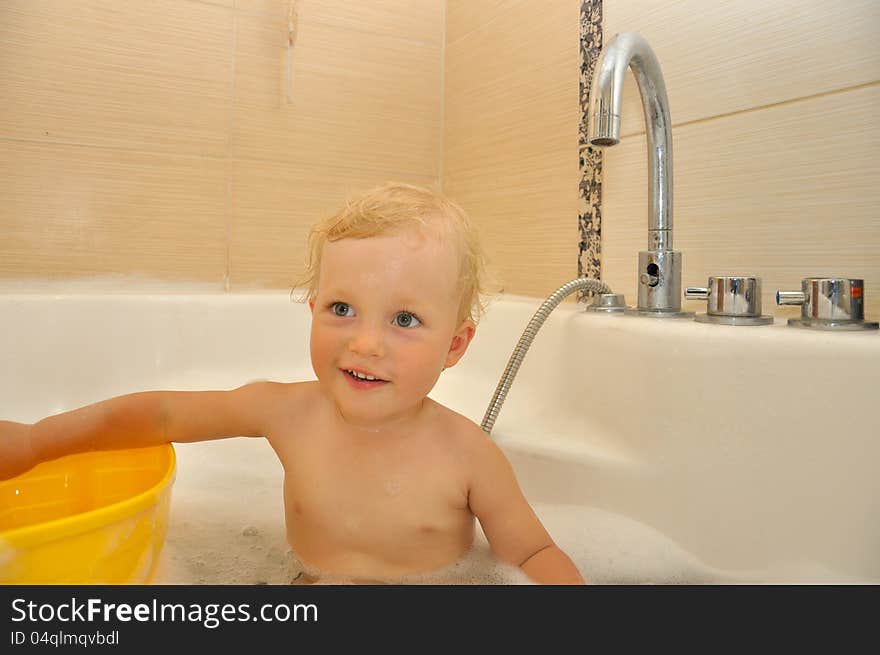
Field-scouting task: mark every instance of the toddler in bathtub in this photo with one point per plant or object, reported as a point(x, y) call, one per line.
point(381, 482)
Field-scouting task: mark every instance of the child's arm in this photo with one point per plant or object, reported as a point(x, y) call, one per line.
point(137, 420)
point(515, 533)
point(15, 451)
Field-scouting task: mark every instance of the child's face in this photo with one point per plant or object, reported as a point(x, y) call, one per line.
point(386, 307)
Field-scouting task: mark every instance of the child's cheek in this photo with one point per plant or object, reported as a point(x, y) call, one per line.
point(321, 344)
point(419, 349)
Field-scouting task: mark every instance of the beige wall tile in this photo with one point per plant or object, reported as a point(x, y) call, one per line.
point(275, 204)
point(149, 76)
point(527, 256)
point(464, 16)
point(510, 138)
point(723, 57)
point(356, 99)
point(127, 78)
point(529, 234)
point(73, 211)
point(760, 193)
point(420, 20)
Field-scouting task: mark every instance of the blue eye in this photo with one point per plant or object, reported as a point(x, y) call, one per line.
point(341, 309)
point(406, 320)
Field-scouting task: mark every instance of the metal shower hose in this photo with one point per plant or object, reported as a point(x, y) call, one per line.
point(528, 335)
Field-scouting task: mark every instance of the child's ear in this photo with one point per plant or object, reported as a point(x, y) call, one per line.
point(312, 305)
point(460, 342)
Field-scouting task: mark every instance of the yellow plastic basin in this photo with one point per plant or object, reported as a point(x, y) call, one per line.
point(90, 518)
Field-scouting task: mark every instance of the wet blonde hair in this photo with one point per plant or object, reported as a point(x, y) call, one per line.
point(390, 208)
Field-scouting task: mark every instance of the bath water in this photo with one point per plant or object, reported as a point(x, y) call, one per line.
point(227, 527)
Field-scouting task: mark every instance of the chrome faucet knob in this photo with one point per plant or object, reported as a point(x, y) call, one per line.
point(790, 298)
point(828, 303)
point(730, 300)
point(696, 293)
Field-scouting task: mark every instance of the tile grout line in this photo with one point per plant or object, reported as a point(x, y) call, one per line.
point(769, 105)
point(442, 154)
point(480, 27)
point(228, 158)
point(177, 155)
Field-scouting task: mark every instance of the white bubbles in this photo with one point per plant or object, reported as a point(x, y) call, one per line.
point(478, 566)
point(609, 548)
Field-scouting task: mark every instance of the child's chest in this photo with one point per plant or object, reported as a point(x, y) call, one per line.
point(369, 494)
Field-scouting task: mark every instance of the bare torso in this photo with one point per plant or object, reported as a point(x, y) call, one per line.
point(372, 505)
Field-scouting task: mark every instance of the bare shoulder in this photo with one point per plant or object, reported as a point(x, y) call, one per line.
point(270, 389)
point(281, 398)
point(251, 410)
point(488, 474)
point(466, 436)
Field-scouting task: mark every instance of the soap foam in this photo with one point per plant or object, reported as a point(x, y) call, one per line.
point(252, 558)
point(609, 548)
point(478, 566)
point(208, 542)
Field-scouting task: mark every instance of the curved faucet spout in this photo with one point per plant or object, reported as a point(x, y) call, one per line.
point(630, 50)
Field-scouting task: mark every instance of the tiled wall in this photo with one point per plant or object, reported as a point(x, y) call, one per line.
point(774, 110)
point(511, 119)
point(185, 139)
point(761, 185)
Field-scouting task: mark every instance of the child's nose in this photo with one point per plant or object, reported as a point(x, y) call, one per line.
point(368, 342)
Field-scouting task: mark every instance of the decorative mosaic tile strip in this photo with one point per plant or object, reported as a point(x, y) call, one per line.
point(590, 213)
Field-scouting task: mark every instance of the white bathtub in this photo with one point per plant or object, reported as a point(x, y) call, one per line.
point(654, 451)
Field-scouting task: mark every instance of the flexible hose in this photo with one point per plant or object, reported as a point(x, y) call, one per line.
point(528, 335)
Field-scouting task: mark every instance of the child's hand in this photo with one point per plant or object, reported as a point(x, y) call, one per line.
point(16, 455)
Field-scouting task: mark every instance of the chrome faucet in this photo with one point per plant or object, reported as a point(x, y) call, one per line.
point(659, 279)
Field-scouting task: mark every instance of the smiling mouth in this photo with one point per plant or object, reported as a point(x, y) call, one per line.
point(361, 377)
